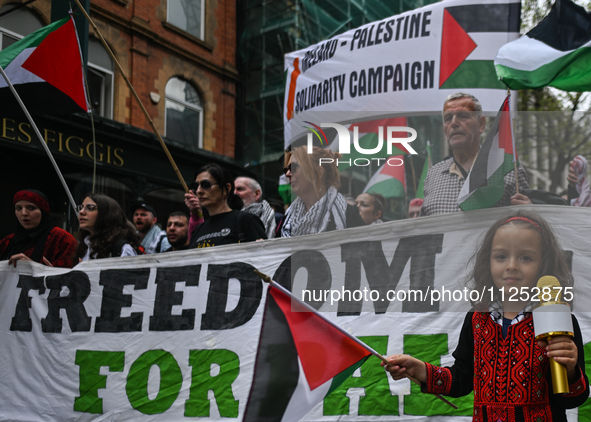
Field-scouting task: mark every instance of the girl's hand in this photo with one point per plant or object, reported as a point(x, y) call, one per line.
point(404, 366)
point(18, 257)
point(564, 350)
point(46, 262)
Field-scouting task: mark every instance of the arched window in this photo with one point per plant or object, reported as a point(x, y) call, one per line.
point(100, 79)
point(16, 25)
point(187, 15)
point(184, 113)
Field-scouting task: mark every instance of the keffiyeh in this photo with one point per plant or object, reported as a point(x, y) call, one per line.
point(299, 221)
point(580, 167)
point(266, 214)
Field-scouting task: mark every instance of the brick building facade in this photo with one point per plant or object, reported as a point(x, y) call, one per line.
point(180, 56)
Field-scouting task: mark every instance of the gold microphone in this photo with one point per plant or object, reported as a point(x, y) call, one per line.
point(552, 318)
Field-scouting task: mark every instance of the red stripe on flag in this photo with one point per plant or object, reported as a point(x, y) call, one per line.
point(396, 172)
point(505, 133)
point(57, 61)
point(323, 350)
point(372, 126)
point(456, 46)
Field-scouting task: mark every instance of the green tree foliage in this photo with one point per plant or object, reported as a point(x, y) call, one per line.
point(553, 126)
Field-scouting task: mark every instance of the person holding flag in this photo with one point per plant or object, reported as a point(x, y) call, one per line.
point(463, 124)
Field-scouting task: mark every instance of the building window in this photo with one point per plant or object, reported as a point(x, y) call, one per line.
point(184, 113)
point(187, 15)
point(16, 25)
point(100, 79)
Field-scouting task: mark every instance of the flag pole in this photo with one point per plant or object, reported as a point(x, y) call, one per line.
point(278, 286)
point(412, 169)
point(164, 147)
point(43, 143)
point(513, 141)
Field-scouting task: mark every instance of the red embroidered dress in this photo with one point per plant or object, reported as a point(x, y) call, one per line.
point(512, 381)
point(59, 248)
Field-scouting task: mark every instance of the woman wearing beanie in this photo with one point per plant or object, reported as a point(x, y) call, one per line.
point(36, 238)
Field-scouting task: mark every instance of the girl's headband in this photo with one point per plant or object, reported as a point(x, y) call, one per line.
point(527, 220)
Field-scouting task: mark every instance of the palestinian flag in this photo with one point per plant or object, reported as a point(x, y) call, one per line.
point(428, 164)
point(555, 53)
point(390, 180)
point(46, 71)
point(302, 358)
point(284, 190)
point(468, 35)
point(368, 135)
point(485, 185)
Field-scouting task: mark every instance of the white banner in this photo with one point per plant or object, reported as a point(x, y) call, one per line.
point(174, 336)
point(403, 65)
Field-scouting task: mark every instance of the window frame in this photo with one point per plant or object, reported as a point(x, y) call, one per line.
point(4, 31)
point(201, 36)
point(111, 74)
point(199, 109)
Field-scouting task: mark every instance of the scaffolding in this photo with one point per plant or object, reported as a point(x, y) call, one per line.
point(272, 28)
point(268, 29)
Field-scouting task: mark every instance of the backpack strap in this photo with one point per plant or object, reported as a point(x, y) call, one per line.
point(117, 247)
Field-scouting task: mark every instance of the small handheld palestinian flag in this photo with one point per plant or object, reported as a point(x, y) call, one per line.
point(485, 185)
point(302, 358)
point(555, 53)
point(390, 180)
point(46, 70)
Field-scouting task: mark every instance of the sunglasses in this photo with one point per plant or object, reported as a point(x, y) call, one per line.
point(87, 207)
point(205, 185)
point(292, 168)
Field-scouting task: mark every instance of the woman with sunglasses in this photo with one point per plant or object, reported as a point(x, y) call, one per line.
point(104, 229)
point(36, 238)
point(214, 187)
point(319, 207)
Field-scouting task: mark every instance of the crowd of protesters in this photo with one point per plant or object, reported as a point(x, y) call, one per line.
point(224, 210)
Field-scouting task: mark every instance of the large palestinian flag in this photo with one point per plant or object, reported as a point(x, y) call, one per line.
point(301, 359)
point(469, 33)
point(555, 53)
point(46, 71)
point(485, 185)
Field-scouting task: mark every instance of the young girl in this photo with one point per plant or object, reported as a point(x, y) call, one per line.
point(497, 355)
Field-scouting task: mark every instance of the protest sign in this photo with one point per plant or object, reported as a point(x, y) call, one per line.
point(174, 336)
point(402, 65)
